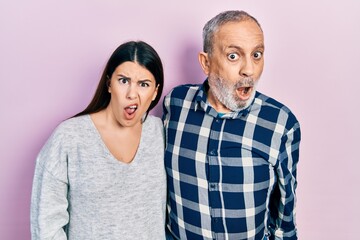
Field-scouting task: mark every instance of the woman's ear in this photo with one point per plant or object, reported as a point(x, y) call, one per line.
point(155, 93)
point(204, 62)
point(108, 84)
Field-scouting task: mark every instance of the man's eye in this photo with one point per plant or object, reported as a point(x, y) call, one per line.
point(257, 55)
point(233, 56)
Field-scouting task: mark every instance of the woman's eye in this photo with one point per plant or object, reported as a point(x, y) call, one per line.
point(144, 84)
point(123, 80)
point(233, 56)
point(257, 55)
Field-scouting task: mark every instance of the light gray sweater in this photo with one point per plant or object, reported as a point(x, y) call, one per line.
point(80, 191)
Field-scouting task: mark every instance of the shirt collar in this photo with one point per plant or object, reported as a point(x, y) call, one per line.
point(202, 103)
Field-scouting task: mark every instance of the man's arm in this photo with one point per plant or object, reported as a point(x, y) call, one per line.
point(283, 201)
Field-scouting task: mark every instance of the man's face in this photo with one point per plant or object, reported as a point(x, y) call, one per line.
point(235, 65)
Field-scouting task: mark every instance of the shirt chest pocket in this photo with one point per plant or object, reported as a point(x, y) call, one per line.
point(244, 164)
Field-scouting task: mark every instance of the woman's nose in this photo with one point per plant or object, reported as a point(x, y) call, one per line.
point(131, 92)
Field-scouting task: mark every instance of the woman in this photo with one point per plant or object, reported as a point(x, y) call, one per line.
point(101, 175)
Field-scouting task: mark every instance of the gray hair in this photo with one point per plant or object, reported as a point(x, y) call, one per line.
point(213, 25)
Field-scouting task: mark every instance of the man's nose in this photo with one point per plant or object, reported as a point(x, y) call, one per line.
point(247, 67)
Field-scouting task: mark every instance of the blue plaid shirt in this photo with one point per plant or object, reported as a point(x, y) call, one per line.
point(230, 176)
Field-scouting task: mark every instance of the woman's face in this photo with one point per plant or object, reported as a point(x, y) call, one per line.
point(132, 88)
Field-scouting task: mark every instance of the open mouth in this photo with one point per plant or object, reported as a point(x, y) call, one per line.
point(246, 90)
point(130, 110)
point(244, 93)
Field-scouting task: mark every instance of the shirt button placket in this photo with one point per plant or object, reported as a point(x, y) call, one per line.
point(213, 175)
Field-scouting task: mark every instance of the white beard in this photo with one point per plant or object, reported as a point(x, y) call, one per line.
point(226, 93)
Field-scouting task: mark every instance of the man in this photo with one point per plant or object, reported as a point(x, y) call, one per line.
point(231, 152)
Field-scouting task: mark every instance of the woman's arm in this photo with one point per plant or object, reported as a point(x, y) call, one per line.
point(49, 203)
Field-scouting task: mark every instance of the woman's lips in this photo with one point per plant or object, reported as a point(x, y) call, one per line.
point(129, 111)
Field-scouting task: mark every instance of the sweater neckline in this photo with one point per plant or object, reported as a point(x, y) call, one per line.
point(106, 149)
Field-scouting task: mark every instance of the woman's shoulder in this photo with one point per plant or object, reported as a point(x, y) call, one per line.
point(153, 124)
point(154, 120)
point(75, 121)
point(72, 126)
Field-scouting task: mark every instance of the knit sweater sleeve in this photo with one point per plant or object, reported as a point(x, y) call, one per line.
point(49, 215)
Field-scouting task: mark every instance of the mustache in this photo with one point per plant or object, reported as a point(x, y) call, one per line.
point(245, 82)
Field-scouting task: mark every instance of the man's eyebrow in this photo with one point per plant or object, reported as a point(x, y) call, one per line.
point(260, 46)
point(234, 46)
point(240, 48)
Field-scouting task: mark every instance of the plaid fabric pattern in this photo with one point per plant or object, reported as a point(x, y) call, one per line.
point(230, 176)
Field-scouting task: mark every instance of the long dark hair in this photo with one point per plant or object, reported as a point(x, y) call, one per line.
point(133, 51)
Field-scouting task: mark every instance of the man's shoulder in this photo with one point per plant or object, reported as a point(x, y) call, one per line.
point(270, 104)
point(265, 100)
point(181, 91)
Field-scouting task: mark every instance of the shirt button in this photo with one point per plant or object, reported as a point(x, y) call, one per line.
point(212, 152)
point(212, 185)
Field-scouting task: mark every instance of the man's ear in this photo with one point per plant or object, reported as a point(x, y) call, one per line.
point(204, 62)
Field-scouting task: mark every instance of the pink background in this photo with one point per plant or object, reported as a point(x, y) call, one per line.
point(52, 54)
